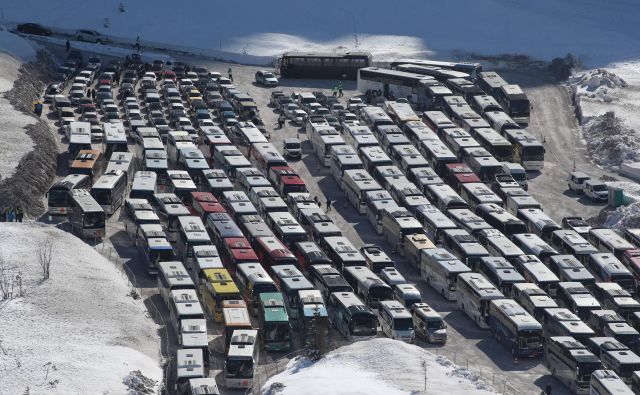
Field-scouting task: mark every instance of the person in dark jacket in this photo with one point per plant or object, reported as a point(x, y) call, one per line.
point(67, 45)
point(19, 214)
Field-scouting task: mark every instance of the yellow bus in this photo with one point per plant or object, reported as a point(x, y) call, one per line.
point(216, 287)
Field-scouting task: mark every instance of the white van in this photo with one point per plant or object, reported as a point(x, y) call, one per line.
point(395, 321)
point(576, 181)
point(597, 191)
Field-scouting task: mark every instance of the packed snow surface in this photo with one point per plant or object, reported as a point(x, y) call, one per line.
point(77, 332)
point(14, 50)
point(597, 34)
point(375, 367)
point(609, 141)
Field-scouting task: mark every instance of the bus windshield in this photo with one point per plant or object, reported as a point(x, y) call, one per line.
point(452, 280)
point(519, 107)
point(239, 368)
point(530, 339)
point(435, 324)
point(276, 331)
point(161, 255)
point(584, 370)
point(93, 220)
point(533, 153)
point(403, 324)
point(57, 197)
point(102, 196)
point(363, 325)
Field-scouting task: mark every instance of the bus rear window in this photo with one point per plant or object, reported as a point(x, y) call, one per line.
point(93, 220)
point(57, 197)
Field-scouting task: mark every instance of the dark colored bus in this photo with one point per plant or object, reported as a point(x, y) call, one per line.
point(341, 65)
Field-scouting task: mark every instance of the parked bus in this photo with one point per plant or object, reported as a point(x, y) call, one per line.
point(244, 135)
point(533, 299)
point(309, 254)
point(58, 195)
point(341, 252)
point(236, 317)
point(397, 224)
point(253, 280)
point(180, 183)
point(343, 157)
point(271, 252)
point(372, 157)
point(170, 208)
point(292, 285)
point(501, 273)
point(377, 202)
point(534, 271)
point(570, 242)
point(445, 198)
point(499, 245)
point(490, 82)
point(532, 244)
point(395, 321)
point(440, 270)
point(367, 285)
point(434, 222)
point(357, 183)
point(215, 287)
point(239, 363)
point(172, 275)
point(274, 322)
point(466, 220)
point(464, 247)
point(516, 328)
point(124, 162)
point(622, 362)
point(78, 136)
point(612, 296)
point(562, 322)
point(393, 84)
point(184, 305)
point(413, 246)
point(86, 216)
point(191, 232)
point(476, 194)
point(114, 140)
point(286, 227)
point(607, 268)
point(340, 65)
point(205, 257)
point(90, 163)
point(189, 366)
point(264, 156)
point(514, 102)
point(109, 191)
point(607, 240)
point(607, 382)
point(352, 318)
point(144, 185)
point(474, 292)
point(437, 154)
point(577, 298)
point(328, 280)
point(495, 143)
point(571, 363)
point(527, 151)
point(359, 136)
point(465, 67)
point(323, 138)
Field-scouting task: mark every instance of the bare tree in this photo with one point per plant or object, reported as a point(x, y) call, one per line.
point(10, 281)
point(45, 256)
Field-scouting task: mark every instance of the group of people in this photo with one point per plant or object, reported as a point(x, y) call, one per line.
point(11, 214)
point(337, 90)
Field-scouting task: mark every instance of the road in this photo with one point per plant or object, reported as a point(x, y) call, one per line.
point(552, 120)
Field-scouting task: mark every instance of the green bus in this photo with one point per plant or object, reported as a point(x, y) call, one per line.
point(275, 329)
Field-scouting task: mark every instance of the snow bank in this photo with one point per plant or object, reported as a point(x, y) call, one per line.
point(597, 34)
point(375, 367)
point(610, 142)
point(77, 332)
point(596, 84)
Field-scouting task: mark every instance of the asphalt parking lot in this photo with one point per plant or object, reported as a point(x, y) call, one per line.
point(468, 346)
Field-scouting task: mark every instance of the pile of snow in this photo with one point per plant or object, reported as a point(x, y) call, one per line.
point(610, 142)
point(596, 84)
point(14, 50)
point(78, 331)
point(597, 34)
point(375, 367)
point(623, 217)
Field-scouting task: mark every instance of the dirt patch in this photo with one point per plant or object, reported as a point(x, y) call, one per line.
point(36, 170)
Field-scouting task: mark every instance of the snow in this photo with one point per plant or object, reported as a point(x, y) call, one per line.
point(14, 50)
point(77, 332)
point(375, 367)
point(599, 35)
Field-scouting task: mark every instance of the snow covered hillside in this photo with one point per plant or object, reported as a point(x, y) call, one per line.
point(14, 50)
point(598, 33)
point(375, 367)
point(78, 331)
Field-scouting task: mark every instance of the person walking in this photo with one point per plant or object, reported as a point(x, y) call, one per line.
point(10, 214)
point(19, 214)
point(138, 44)
point(67, 45)
point(340, 94)
point(335, 90)
point(1, 214)
point(328, 205)
point(281, 121)
point(230, 73)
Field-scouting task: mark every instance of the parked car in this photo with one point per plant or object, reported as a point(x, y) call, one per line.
point(52, 90)
point(595, 190)
point(33, 28)
point(266, 78)
point(275, 96)
point(91, 36)
point(577, 180)
point(292, 148)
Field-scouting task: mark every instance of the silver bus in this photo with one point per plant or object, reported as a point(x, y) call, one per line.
point(367, 285)
point(180, 183)
point(607, 240)
point(372, 157)
point(570, 242)
point(571, 363)
point(357, 183)
point(501, 273)
point(376, 202)
point(144, 185)
point(323, 137)
point(397, 224)
point(474, 292)
point(476, 194)
point(465, 219)
point(434, 222)
point(444, 197)
point(533, 299)
point(499, 245)
point(440, 270)
point(607, 382)
point(577, 298)
point(464, 246)
point(170, 208)
point(607, 268)
point(343, 158)
point(86, 216)
point(109, 190)
point(359, 136)
point(559, 321)
point(537, 272)
point(353, 319)
point(191, 233)
point(532, 244)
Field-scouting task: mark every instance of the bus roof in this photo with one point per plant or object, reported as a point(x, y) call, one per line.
point(189, 363)
point(85, 201)
point(273, 307)
point(348, 54)
point(70, 181)
point(236, 316)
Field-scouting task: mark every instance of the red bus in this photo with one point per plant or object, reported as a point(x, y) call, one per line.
point(237, 250)
point(286, 180)
point(203, 203)
point(456, 174)
point(271, 252)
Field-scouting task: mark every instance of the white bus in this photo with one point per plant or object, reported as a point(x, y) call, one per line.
point(244, 135)
point(501, 219)
point(172, 275)
point(359, 136)
point(533, 270)
point(607, 240)
point(570, 242)
point(78, 136)
point(444, 197)
point(144, 185)
point(577, 298)
point(189, 366)
point(407, 157)
point(372, 157)
point(124, 162)
point(538, 222)
point(396, 321)
point(571, 363)
point(607, 382)
point(184, 305)
point(343, 158)
point(532, 244)
point(115, 139)
point(517, 199)
point(516, 328)
point(437, 154)
point(377, 202)
point(170, 208)
point(341, 252)
point(527, 151)
point(357, 183)
point(495, 143)
point(501, 273)
point(353, 319)
point(465, 219)
point(622, 362)
point(440, 270)
point(476, 194)
point(109, 191)
point(264, 156)
point(253, 280)
point(474, 294)
point(239, 363)
point(514, 102)
point(562, 322)
point(397, 224)
point(86, 216)
point(499, 245)
point(180, 183)
point(367, 285)
point(568, 268)
point(464, 246)
point(323, 137)
point(401, 113)
point(607, 268)
point(216, 182)
point(434, 222)
point(286, 228)
point(533, 299)
point(58, 195)
point(191, 233)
